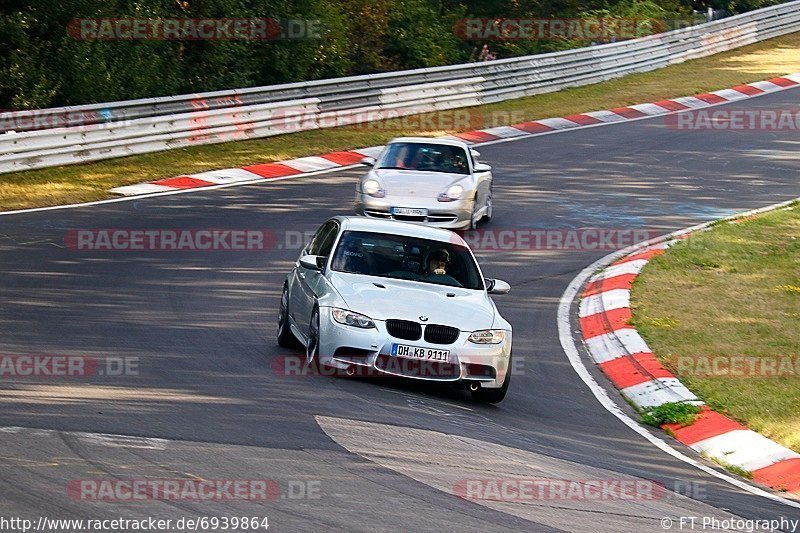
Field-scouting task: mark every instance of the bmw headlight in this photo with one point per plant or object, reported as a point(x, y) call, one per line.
point(349, 318)
point(453, 193)
point(488, 336)
point(374, 188)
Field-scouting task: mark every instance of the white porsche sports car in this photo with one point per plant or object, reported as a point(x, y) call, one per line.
point(438, 182)
point(401, 299)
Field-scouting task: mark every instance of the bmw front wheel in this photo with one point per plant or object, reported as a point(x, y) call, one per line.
point(494, 395)
point(312, 346)
point(285, 336)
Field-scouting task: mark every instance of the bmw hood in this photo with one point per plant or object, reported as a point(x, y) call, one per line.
point(384, 298)
point(416, 183)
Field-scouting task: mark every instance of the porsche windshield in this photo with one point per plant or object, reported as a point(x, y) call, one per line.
point(401, 257)
point(424, 156)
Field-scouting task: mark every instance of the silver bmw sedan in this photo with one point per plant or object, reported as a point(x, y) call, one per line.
point(397, 299)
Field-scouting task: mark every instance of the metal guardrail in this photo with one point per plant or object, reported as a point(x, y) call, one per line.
point(58, 136)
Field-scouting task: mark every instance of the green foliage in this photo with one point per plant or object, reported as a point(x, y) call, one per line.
point(670, 413)
point(41, 65)
point(740, 6)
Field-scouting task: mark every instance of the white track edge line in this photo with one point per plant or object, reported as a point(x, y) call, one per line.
point(573, 355)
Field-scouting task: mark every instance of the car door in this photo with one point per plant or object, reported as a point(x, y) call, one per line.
point(310, 282)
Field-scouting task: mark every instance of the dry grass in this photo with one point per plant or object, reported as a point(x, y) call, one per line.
point(732, 291)
point(91, 181)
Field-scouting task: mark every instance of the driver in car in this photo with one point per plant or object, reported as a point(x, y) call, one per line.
point(436, 271)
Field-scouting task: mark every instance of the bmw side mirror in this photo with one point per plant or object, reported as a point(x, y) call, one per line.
point(497, 286)
point(313, 262)
point(368, 161)
point(482, 167)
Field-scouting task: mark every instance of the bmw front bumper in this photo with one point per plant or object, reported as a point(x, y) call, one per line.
point(369, 352)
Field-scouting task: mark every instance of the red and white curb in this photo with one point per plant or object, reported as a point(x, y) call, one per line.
point(624, 357)
point(252, 173)
point(305, 165)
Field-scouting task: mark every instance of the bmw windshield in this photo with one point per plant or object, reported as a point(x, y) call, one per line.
point(401, 257)
point(424, 156)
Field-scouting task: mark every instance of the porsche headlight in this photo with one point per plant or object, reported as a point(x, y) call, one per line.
point(454, 192)
point(349, 318)
point(488, 336)
point(374, 188)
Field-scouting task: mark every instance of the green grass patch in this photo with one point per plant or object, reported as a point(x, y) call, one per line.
point(670, 413)
point(729, 295)
point(738, 470)
point(91, 181)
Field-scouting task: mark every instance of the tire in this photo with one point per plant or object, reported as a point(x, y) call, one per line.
point(286, 338)
point(489, 207)
point(473, 220)
point(312, 347)
point(494, 395)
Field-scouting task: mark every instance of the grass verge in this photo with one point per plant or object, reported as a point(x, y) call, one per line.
point(721, 311)
point(91, 181)
point(670, 413)
point(739, 471)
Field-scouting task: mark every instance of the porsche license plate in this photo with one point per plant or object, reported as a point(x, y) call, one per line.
point(410, 211)
point(417, 352)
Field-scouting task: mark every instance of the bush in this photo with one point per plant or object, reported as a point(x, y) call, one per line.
point(42, 66)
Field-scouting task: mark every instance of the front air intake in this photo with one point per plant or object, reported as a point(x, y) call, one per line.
point(404, 329)
point(437, 334)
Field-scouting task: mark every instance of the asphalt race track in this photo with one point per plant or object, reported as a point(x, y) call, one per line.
point(208, 403)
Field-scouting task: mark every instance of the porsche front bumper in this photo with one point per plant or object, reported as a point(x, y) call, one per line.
point(449, 215)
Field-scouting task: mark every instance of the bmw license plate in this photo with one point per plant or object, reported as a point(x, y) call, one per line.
point(416, 352)
point(410, 211)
